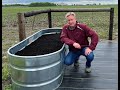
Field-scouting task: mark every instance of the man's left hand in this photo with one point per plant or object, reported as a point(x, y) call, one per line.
point(88, 51)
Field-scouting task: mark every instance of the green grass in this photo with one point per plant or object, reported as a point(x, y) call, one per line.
point(9, 14)
point(8, 87)
point(6, 77)
point(5, 71)
point(15, 10)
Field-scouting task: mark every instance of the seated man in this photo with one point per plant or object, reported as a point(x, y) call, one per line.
point(75, 35)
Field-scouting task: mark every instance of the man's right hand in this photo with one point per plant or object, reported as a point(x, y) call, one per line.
point(77, 45)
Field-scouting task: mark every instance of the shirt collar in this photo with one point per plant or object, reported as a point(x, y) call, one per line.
point(77, 26)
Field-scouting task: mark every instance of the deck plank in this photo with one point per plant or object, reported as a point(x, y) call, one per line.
point(104, 75)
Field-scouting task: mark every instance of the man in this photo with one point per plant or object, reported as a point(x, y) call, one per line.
point(75, 35)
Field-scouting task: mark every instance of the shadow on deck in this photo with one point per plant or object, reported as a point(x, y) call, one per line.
point(104, 75)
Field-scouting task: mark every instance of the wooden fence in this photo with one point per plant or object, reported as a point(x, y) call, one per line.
point(21, 18)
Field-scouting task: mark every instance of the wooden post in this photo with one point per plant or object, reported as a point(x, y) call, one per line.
point(21, 24)
point(49, 19)
point(111, 23)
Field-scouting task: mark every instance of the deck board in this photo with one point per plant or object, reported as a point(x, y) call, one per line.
point(104, 75)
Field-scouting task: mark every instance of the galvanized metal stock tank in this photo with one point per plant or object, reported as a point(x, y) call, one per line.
point(42, 72)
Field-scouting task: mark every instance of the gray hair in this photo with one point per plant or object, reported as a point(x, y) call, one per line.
point(70, 13)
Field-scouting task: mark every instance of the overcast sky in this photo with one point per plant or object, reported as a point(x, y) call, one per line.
point(61, 1)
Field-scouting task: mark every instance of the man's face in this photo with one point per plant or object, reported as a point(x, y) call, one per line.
point(71, 20)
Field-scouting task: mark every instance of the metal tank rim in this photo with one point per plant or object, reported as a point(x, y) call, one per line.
point(8, 51)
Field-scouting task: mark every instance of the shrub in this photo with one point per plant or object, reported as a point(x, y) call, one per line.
point(36, 4)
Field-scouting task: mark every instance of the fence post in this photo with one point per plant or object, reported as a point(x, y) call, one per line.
point(49, 19)
point(111, 23)
point(21, 24)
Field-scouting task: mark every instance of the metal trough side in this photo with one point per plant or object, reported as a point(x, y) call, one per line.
point(41, 72)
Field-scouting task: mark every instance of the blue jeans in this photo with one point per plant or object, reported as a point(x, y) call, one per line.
point(73, 57)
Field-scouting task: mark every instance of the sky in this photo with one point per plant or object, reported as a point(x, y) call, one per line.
point(61, 1)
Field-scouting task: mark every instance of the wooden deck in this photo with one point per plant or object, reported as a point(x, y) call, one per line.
point(104, 75)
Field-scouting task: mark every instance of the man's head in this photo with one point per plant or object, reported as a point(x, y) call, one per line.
point(71, 18)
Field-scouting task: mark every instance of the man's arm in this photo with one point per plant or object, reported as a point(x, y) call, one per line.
point(64, 38)
point(94, 37)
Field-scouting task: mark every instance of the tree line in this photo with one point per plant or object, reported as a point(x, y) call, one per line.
point(35, 4)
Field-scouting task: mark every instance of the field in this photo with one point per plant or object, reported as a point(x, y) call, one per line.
point(99, 21)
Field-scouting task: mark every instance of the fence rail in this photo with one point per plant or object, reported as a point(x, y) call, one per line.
point(49, 11)
point(28, 14)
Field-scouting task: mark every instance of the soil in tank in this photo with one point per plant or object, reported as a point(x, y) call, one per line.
point(43, 45)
